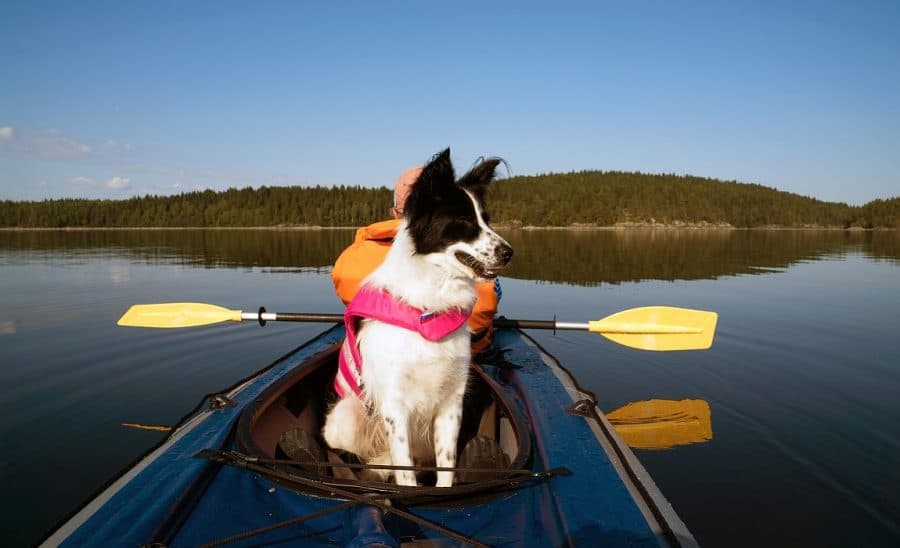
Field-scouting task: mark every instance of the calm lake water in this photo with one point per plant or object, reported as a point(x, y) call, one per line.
point(803, 379)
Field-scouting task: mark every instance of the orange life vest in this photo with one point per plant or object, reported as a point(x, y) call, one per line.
point(368, 251)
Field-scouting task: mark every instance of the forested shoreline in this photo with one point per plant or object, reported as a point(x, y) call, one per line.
point(584, 198)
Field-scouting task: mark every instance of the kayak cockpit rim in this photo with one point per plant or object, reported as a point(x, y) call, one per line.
point(295, 401)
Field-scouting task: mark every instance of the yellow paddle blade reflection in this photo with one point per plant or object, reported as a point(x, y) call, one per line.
point(662, 424)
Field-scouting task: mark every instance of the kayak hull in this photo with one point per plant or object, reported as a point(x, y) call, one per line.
point(173, 498)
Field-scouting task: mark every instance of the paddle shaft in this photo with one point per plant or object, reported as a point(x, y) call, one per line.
point(540, 324)
point(291, 317)
point(336, 318)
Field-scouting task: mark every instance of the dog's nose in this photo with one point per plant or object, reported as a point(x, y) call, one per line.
point(505, 253)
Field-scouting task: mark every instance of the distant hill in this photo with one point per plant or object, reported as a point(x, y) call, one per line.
point(612, 197)
point(593, 198)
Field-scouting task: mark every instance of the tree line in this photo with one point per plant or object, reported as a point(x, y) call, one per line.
point(600, 198)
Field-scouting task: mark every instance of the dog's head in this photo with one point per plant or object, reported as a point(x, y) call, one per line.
point(447, 220)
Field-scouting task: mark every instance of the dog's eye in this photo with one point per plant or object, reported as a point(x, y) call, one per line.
point(464, 221)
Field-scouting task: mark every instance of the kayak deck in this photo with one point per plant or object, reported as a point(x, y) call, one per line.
point(174, 498)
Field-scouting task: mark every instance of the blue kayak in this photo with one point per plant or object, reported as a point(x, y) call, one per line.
point(561, 476)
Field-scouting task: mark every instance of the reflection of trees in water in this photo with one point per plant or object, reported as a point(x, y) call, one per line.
point(207, 248)
point(613, 256)
point(581, 257)
point(884, 245)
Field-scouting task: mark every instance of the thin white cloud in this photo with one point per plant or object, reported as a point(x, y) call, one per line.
point(118, 183)
point(61, 147)
point(115, 155)
point(112, 145)
point(47, 144)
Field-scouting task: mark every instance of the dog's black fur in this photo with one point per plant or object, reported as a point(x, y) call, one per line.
point(439, 213)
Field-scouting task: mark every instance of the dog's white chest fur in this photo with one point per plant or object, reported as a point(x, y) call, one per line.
point(402, 363)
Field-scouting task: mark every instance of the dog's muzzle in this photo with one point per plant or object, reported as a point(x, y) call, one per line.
point(488, 271)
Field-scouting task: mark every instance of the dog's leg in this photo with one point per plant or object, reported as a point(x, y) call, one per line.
point(396, 426)
point(446, 432)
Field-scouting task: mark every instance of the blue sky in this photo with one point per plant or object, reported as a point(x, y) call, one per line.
point(114, 99)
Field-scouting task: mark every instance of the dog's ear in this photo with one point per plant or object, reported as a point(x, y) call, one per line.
point(430, 187)
point(478, 178)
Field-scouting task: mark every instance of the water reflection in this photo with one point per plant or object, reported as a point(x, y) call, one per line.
point(578, 257)
point(615, 256)
point(663, 424)
point(803, 374)
point(300, 249)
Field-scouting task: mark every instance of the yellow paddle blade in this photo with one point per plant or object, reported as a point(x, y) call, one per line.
point(659, 328)
point(169, 315)
point(662, 424)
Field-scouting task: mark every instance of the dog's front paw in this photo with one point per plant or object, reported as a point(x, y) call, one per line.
point(406, 478)
point(343, 424)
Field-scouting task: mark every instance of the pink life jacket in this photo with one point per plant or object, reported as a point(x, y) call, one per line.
point(382, 306)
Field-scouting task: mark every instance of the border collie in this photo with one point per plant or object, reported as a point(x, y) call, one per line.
point(410, 402)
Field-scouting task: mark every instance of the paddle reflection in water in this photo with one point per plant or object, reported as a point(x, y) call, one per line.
point(662, 424)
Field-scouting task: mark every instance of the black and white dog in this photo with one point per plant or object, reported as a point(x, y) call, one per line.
point(410, 405)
